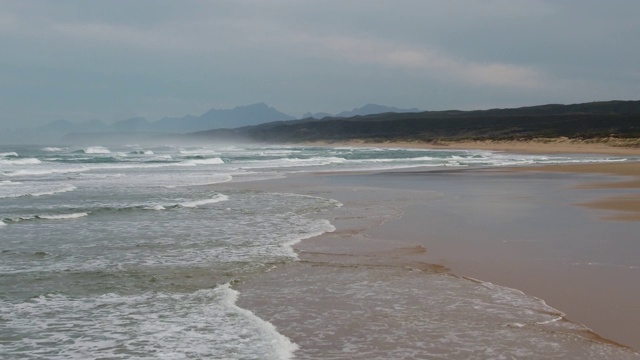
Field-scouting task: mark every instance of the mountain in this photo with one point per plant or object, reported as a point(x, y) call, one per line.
point(370, 109)
point(133, 124)
point(138, 126)
point(221, 118)
point(318, 115)
point(593, 120)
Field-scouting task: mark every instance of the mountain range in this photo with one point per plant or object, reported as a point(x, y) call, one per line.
point(368, 109)
point(237, 117)
point(594, 120)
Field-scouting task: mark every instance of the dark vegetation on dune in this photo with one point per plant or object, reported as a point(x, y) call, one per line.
point(619, 119)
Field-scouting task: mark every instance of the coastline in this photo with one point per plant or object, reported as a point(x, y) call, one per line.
point(534, 146)
point(382, 226)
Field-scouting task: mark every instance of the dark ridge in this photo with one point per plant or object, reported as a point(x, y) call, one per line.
point(583, 121)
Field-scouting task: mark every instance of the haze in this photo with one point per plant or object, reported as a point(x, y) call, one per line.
point(81, 60)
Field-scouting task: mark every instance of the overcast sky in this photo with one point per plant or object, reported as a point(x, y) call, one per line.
point(111, 60)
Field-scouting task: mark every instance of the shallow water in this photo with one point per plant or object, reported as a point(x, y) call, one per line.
point(134, 252)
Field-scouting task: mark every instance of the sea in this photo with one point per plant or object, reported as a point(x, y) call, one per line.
point(121, 252)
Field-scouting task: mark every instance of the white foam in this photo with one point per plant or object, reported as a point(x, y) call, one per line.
point(25, 161)
point(9, 154)
point(155, 207)
point(52, 149)
point(216, 199)
point(17, 189)
point(2, 224)
point(284, 348)
point(198, 152)
point(211, 161)
point(97, 150)
point(63, 216)
point(318, 228)
point(206, 324)
point(66, 188)
point(36, 172)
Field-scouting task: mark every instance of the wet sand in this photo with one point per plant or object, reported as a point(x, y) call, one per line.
point(610, 146)
point(545, 231)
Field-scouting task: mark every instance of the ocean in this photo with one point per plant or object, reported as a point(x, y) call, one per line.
point(133, 251)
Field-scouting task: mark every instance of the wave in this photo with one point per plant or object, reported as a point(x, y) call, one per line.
point(24, 161)
point(198, 152)
point(51, 149)
point(56, 191)
point(155, 207)
point(216, 199)
point(205, 324)
point(96, 150)
point(62, 216)
point(11, 191)
point(69, 216)
point(282, 345)
point(36, 172)
point(210, 161)
point(221, 179)
point(9, 154)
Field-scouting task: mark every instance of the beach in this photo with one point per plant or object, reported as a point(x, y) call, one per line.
point(316, 252)
point(561, 233)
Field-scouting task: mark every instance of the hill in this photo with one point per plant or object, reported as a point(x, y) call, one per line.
point(586, 120)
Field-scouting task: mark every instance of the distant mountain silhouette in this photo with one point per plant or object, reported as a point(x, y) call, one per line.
point(595, 120)
point(239, 116)
point(133, 124)
point(368, 109)
point(318, 115)
point(372, 109)
point(221, 118)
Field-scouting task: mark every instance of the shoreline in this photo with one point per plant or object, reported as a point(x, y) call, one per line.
point(371, 239)
point(535, 146)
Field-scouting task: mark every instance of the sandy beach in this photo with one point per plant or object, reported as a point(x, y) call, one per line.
point(611, 146)
point(565, 234)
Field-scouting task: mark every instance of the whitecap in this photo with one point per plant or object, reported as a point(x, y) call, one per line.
point(63, 216)
point(155, 207)
point(9, 154)
point(51, 149)
point(97, 150)
point(66, 188)
point(216, 199)
point(16, 190)
point(282, 345)
point(25, 161)
point(25, 172)
point(210, 161)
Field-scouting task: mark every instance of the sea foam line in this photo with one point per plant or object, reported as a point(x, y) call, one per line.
point(218, 198)
point(283, 346)
point(57, 191)
point(211, 161)
point(63, 216)
point(25, 161)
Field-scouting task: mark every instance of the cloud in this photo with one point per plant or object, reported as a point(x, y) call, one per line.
point(423, 61)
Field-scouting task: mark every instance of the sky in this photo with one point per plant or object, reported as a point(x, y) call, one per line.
point(111, 60)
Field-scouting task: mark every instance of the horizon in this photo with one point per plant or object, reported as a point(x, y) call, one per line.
point(80, 122)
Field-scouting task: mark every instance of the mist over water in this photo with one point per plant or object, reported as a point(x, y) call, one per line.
point(132, 251)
